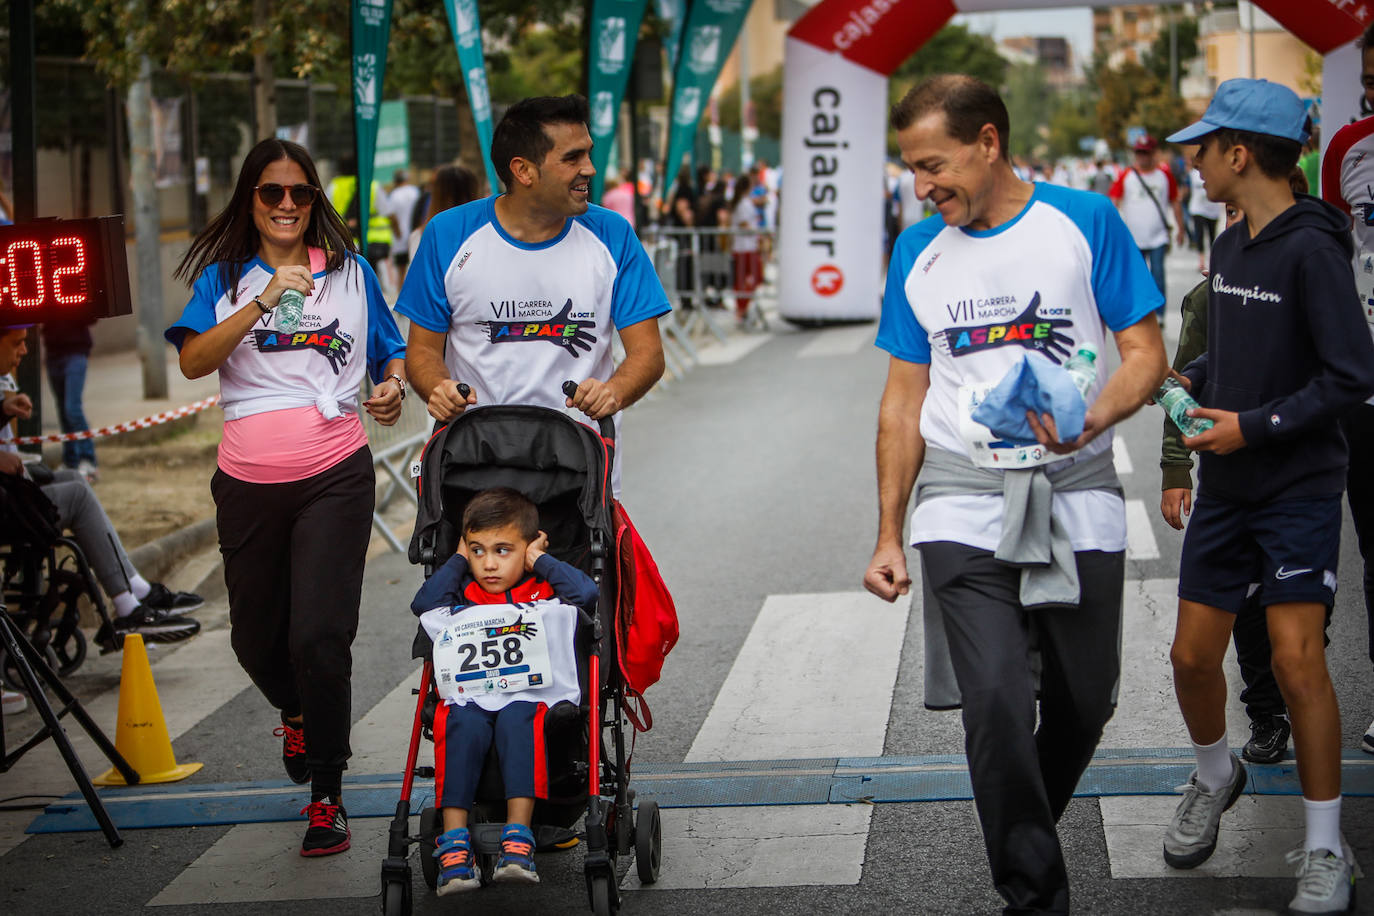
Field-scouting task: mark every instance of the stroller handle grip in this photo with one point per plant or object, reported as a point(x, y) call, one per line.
point(606, 423)
point(464, 390)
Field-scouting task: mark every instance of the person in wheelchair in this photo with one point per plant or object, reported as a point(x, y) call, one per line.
point(500, 561)
point(149, 608)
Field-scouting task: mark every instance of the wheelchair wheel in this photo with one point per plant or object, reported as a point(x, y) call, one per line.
point(70, 651)
point(9, 671)
point(430, 829)
point(648, 842)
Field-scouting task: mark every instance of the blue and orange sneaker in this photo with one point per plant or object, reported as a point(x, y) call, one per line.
point(516, 862)
point(458, 870)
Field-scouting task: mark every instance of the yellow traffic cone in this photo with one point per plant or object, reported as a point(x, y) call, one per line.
point(141, 734)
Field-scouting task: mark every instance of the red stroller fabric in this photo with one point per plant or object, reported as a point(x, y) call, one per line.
point(646, 618)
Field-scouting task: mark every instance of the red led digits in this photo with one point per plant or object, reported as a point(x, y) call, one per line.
point(76, 269)
point(26, 277)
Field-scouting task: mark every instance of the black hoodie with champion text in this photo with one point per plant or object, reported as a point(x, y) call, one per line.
point(1288, 349)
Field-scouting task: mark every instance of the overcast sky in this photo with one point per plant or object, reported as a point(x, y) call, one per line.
point(1075, 24)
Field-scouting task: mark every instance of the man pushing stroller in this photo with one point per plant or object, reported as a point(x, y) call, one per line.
point(502, 614)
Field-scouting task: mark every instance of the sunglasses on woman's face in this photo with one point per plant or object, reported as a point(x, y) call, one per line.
point(302, 195)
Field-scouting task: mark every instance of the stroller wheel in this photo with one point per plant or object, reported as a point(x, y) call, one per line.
point(604, 902)
point(395, 899)
point(429, 834)
point(648, 842)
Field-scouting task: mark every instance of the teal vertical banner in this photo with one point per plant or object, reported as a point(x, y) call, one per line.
point(710, 33)
point(615, 31)
point(466, 27)
point(371, 31)
point(674, 14)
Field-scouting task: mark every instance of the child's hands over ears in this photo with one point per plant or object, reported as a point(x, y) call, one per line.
point(535, 549)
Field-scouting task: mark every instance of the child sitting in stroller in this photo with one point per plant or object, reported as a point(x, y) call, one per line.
point(499, 692)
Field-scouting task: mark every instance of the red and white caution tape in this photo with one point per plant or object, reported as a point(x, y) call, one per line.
point(105, 431)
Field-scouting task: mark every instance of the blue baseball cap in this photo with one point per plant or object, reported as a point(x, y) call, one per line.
point(1258, 106)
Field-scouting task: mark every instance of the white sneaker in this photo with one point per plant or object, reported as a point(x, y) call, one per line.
point(1191, 837)
point(1367, 745)
point(1326, 882)
point(13, 702)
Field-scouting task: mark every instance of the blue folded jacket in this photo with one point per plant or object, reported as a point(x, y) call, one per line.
point(1035, 383)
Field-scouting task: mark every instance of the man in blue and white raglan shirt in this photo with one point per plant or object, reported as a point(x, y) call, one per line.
point(513, 295)
point(1011, 538)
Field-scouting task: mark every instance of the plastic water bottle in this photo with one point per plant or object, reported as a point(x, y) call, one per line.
point(1082, 368)
point(1176, 401)
point(289, 309)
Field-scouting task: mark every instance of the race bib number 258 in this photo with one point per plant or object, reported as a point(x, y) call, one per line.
point(495, 649)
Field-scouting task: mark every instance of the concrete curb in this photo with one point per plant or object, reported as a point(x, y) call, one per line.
point(156, 559)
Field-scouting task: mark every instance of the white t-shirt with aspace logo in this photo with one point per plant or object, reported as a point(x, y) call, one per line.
point(523, 318)
point(1348, 182)
point(971, 304)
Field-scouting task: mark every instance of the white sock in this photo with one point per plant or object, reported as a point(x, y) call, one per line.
point(1213, 764)
point(1323, 825)
point(139, 586)
point(125, 604)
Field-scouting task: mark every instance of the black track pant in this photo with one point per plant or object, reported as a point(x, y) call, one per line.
point(293, 561)
point(1022, 777)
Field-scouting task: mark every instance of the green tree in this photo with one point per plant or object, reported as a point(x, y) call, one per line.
point(1072, 120)
point(1027, 94)
point(1120, 92)
point(765, 92)
point(1181, 48)
point(953, 49)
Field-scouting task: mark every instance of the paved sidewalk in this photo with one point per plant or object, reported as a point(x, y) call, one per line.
point(114, 390)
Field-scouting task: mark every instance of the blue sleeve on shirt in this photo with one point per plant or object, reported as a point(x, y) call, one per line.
point(899, 333)
point(199, 314)
point(569, 583)
point(444, 588)
point(637, 295)
point(423, 298)
point(1122, 286)
point(384, 341)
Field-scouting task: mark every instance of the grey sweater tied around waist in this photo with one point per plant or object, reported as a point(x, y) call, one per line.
point(1032, 538)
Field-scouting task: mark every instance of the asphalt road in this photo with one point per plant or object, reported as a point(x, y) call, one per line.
point(752, 481)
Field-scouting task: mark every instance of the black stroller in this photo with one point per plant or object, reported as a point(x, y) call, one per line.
point(563, 466)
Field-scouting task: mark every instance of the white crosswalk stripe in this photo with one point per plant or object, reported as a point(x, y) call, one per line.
point(732, 351)
point(1140, 535)
point(1121, 456)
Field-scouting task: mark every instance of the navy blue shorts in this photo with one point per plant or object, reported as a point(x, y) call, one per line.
point(1288, 548)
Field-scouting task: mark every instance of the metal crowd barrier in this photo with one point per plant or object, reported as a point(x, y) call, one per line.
point(695, 266)
point(393, 450)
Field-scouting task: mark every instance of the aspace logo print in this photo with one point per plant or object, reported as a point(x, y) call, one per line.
point(1027, 330)
point(332, 343)
point(560, 330)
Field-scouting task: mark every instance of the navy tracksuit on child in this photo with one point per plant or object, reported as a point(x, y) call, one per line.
point(463, 735)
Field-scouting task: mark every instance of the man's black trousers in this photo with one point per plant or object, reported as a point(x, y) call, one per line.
point(1023, 777)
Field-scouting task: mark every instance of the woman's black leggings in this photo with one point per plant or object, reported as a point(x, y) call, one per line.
point(293, 561)
point(1203, 226)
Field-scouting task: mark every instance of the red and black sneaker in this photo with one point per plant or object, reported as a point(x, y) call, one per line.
point(293, 752)
point(328, 830)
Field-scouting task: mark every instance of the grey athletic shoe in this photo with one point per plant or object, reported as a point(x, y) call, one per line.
point(1191, 836)
point(1326, 882)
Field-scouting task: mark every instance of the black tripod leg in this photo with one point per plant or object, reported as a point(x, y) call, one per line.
point(25, 658)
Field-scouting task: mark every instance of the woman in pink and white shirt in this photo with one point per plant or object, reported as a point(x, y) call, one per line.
point(294, 489)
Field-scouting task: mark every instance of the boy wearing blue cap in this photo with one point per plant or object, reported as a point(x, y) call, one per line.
point(1287, 354)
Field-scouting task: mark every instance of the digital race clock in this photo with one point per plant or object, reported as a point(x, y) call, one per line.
point(63, 270)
